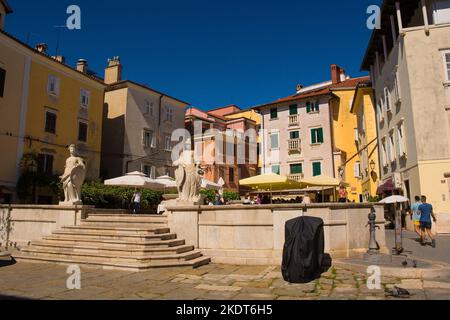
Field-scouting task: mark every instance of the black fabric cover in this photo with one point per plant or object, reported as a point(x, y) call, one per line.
point(303, 251)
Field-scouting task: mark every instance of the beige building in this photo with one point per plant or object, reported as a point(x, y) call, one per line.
point(138, 125)
point(409, 60)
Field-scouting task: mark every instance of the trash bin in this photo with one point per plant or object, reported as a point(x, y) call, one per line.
point(303, 251)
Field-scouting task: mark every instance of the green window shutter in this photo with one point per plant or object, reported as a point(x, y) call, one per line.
point(308, 107)
point(296, 168)
point(293, 110)
point(273, 113)
point(317, 107)
point(317, 169)
point(320, 135)
point(276, 169)
point(313, 136)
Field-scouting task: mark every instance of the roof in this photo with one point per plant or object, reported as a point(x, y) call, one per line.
point(33, 50)
point(408, 7)
point(350, 83)
point(361, 85)
point(124, 84)
point(7, 7)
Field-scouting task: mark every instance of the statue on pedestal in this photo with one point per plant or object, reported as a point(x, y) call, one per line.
point(73, 178)
point(187, 178)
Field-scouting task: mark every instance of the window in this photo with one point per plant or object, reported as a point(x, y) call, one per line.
point(2, 82)
point(317, 136)
point(274, 141)
point(169, 114)
point(53, 85)
point(148, 108)
point(273, 113)
point(82, 131)
point(84, 98)
point(387, 99)
point(276, 169)
point(148, 139)
point(441, 11)
point(391, 147)
point(50, 122)
point(168, 143)
point(380, 110)
point(357, 170)
point(296, 168)
point(312, 107)
point(317, 169)
point(294, 135)
point(446, 57)
point(149, 171)
point(293, 110)
point(231, 175)
point(45, 163)
point(401, 140)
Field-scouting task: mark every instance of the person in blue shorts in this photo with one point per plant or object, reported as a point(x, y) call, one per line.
point(426, 213)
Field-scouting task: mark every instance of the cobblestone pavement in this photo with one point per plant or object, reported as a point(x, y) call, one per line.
point(211, 282)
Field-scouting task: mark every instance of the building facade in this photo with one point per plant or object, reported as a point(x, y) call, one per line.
point(46, 106)
point(227, 146)
point(409, 61)
point(138, 126)
point(367, 164)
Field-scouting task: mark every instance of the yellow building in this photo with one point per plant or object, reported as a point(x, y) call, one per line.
point(50, 106)
point(366, 137)
point(350, 162)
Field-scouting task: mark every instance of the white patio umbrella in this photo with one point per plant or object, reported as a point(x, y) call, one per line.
point(135, 180)
point(168, 182)
point(394, 199)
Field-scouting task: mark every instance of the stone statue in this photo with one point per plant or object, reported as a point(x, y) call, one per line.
point(187, 177)
point(73, 178)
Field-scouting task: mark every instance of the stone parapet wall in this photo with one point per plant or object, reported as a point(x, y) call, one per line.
point(21, 224)
point(255, 235)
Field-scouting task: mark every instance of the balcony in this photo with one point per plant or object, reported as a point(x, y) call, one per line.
point(297, 176)
point(295, 146)
point(294, 120)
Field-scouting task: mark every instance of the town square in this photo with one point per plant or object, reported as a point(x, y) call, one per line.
point(322, 175)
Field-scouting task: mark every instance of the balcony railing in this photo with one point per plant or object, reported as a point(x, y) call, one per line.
point(297, 176)
point(294, 120)
point(295, 145)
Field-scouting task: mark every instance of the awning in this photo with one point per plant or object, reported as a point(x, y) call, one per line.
point(271, 181)
point(388, 186)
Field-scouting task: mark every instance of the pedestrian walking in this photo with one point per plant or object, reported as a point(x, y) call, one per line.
point(414, 212)
point(136, 200)
point(426, 213)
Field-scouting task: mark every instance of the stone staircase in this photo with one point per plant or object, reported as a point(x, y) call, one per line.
point(115, 241)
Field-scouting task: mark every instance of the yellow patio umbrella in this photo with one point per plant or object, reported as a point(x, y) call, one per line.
point(271, 181)
point(324, 181)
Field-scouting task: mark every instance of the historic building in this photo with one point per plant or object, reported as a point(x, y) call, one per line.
point(46, 105)
point(311, 133)
point(409, 62)
point(138, 126)
point(367, 163)
point(225, 143)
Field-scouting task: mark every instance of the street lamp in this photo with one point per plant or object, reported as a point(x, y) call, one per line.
point(372, 165)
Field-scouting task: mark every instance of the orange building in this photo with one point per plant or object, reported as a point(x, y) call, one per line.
point(238, 158)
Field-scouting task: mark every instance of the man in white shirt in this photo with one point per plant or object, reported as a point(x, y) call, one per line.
point(136, 200)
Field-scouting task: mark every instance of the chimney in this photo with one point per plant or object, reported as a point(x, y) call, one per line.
point(82, 65)
point(337, 74)
point(113, 72)
point(42, 48)
point(60, 59)
point(299, 88)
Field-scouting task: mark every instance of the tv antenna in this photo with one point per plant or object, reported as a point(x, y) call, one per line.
point(58, 37)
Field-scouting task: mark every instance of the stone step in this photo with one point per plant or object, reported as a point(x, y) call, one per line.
point(113, 249)
point(111, 235)
point(136, 266)
point(113, 224)
point(128, 218)
point(116, 229)
point(131, 244)
point(65, 253)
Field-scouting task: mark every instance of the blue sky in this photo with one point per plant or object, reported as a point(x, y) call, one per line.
point(209, 53)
